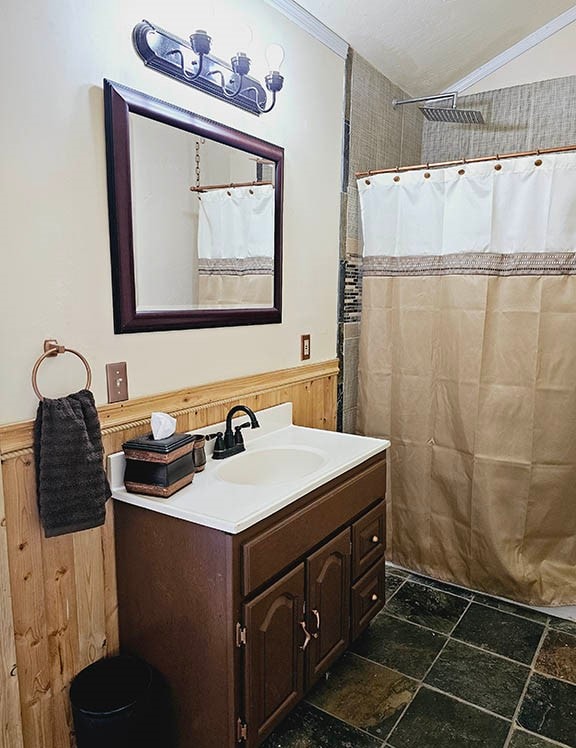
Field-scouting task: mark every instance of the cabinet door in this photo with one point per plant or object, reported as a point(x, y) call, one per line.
point(328, 609)
point(275, 640)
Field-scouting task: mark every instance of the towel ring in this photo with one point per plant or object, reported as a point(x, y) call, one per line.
point(52, 348)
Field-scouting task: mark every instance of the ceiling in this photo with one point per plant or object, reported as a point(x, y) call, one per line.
point(424, 46)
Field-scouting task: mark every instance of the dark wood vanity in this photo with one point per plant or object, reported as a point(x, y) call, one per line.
point(243, 625)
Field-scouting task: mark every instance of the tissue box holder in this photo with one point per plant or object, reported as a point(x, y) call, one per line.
point(159, 467)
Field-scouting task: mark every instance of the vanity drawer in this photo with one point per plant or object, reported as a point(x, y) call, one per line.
point(368, 597)
point(288, 540)
point(368, 539)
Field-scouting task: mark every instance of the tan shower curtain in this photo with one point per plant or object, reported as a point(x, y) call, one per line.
point(472, 375)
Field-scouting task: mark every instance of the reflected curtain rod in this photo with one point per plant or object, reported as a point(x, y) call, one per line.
point(478, 159)
point(206, 187)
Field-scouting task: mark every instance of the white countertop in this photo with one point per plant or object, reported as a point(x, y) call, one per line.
point(232, 507)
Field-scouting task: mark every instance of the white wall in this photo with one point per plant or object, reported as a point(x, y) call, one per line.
point(552, 58)
point(165, 215)
point(55, 278)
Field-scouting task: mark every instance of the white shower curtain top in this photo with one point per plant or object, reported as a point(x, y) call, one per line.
point(236, 223)
point(521, 205)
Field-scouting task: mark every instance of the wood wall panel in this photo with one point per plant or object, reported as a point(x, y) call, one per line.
point(62, 622)
point(28, 600)
point(10, 720)
point(59, 605)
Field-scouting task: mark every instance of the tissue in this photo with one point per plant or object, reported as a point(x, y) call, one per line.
point(163, 425)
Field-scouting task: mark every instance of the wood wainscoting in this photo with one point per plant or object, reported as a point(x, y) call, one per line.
point(58, 595)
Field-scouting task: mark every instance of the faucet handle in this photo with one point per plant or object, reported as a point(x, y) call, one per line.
point(219, 446)
point(238, 438)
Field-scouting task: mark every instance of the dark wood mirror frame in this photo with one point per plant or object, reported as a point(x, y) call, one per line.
point(119, 102)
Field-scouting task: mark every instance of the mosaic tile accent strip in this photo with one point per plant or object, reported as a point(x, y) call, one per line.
point(353, 289)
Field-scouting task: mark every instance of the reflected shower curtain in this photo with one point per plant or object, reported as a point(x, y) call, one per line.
point(236, 247)
point(468, 365)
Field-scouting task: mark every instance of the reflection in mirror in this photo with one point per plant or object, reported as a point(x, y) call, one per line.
point(210, 208)
point(195, 218)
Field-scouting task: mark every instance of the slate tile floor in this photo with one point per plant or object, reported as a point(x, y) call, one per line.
point(442, 667)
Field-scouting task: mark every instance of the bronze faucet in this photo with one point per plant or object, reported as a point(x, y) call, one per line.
point(231, 442)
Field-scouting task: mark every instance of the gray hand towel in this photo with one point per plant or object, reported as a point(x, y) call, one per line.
point(72, 486)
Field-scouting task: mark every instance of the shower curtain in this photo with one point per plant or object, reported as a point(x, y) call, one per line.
point(236, 247)
point(468, 365)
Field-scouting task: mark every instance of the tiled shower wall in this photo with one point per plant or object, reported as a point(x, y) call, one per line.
point(377, 136)
point(520, 118)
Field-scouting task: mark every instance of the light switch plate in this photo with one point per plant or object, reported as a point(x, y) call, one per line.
point(304, 347)
point(117, 382)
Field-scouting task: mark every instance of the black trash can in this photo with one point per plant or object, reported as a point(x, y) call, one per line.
point(119, 702)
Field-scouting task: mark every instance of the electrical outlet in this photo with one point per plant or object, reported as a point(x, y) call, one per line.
point(304, 347)
point(117, 382)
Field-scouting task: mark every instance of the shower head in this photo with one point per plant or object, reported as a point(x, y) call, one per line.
point(444, 114)
point(451, 114)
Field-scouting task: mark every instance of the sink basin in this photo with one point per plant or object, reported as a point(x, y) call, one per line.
point(266, 467)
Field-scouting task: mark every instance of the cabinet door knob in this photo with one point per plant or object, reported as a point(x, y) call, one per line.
point(375, 539)
point(374, 597)
point(306, 634)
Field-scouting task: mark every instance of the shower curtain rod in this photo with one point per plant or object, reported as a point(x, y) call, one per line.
point(439, 164)
point(206, 187)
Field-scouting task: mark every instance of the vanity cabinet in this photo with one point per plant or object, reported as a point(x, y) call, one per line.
point(243, 625)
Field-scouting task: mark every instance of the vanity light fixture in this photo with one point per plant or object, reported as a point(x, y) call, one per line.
point(192, 63)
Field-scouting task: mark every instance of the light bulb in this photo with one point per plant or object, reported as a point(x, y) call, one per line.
point(274, 56)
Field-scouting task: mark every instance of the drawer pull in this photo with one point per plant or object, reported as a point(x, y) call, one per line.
point(306, 634)
point(317, 616)
point(375, 539)
point(374, 597)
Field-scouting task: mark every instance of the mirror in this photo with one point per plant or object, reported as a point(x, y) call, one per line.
point(195, 213)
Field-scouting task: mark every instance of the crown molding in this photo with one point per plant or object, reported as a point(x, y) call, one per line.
point(544, 32)
point(312, 25)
